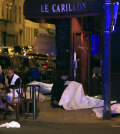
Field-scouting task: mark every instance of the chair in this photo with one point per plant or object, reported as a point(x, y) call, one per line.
point(17, 101)
point(29, 97)
point(34, 74)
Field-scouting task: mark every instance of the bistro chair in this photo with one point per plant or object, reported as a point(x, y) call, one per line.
point(16, 102)
point(35, 75)
point(28, 98)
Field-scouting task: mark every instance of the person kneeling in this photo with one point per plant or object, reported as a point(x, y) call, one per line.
point(58, 88)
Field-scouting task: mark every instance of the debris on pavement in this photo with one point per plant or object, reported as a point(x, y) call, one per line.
point(12, 124)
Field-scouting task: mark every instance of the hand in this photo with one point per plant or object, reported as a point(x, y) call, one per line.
point(67, 82)
point(6, 85)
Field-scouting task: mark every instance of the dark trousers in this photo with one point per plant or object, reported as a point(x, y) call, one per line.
point(57, 94)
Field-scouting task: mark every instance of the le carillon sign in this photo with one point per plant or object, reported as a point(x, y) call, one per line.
point(63, 7)
point(51, 7)
point(60, 8)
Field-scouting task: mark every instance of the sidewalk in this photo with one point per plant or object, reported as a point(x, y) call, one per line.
point(58, 115)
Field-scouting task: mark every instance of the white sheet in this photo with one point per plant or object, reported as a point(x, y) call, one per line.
point(44, 87)
point(115, 109)
point(74, 97)
point(41, 97)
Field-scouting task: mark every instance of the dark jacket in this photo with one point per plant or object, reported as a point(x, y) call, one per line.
point(58, 88)
point(17, 82)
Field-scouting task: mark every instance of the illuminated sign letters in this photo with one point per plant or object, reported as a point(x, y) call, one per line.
point(68, 7)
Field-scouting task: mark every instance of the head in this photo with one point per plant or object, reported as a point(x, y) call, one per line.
point(64, 76)
point(10, 72)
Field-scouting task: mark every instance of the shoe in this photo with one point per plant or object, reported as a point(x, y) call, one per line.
point(62, 107)
point(8, 112)
point(54, 105)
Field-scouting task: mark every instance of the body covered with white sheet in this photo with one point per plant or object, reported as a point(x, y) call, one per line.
point(74, 97)
point(44, 89)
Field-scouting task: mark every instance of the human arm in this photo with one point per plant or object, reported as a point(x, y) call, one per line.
point(17, 83)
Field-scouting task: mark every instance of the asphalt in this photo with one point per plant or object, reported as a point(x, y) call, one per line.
point(57, 115)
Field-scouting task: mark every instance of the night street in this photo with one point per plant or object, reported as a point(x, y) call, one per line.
point(60, 66)
point(68, 128)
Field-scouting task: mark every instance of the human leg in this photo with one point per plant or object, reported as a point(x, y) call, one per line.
point(9, 98)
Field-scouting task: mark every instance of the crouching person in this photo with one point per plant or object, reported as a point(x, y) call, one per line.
point(58, 88)
point(11, 80)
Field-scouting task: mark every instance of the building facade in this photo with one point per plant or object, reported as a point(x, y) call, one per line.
point(18, 31)
point(11, 22)
point(41, 36)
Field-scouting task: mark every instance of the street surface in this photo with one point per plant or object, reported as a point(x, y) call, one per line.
point(59, 128)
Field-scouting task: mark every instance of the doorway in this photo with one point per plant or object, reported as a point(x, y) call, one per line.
point(88, 49)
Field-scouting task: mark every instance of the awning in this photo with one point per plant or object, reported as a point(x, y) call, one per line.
point(36, 9)
point(55, 9)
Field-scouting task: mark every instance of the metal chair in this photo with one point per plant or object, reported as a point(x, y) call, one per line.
point(35, 75)
point(29, 98)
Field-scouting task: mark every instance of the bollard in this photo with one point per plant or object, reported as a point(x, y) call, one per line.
point(34, 101)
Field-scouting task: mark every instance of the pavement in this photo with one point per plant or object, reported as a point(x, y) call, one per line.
point(58, 115)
